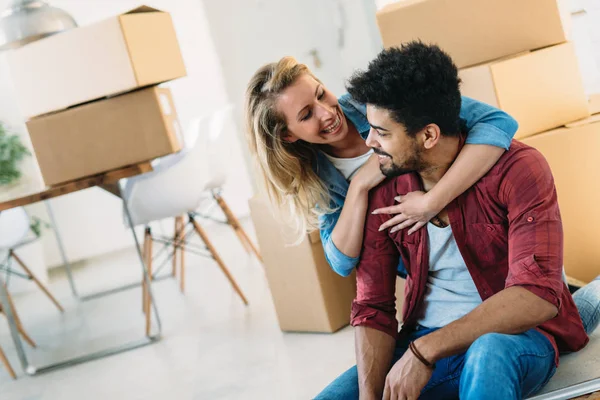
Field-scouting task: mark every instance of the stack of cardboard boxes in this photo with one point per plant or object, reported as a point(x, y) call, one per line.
point(90, 96)
point(515, 55)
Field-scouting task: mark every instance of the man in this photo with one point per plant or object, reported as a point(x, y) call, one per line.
point(486, 312)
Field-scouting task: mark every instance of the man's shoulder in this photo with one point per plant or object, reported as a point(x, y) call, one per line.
point(392, 187)
point(520, 155)
point(518, 169)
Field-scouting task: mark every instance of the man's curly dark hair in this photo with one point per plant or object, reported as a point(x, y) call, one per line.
point(417, 83)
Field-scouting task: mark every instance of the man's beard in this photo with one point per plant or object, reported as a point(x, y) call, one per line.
point(412, 164)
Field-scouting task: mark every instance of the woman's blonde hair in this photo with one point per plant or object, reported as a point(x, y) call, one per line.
point(287, 167)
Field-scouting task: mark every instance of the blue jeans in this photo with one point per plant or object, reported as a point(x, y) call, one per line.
point(587, 300)
point(496, 366)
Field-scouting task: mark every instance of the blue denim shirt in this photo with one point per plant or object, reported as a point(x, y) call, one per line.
point(484, 124)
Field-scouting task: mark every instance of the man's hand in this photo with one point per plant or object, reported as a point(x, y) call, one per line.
point(407, 378)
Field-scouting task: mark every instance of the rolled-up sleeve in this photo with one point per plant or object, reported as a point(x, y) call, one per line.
point(338, 261)
point(535, 235)
point(486, 124)
point(375, 302)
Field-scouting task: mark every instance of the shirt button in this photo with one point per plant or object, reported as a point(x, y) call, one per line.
point(529, 219)
point(490, 228)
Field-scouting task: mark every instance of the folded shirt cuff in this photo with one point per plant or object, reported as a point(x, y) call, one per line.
point(489, 135)
point(339, 262)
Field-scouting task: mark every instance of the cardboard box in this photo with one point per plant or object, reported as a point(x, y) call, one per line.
point(129, 51)
point(105, 135)
point(540, 89)
point(308, 295)
point(573, 156)
point(476, 31)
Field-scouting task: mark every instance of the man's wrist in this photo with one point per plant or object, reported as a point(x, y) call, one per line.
point(427, 348)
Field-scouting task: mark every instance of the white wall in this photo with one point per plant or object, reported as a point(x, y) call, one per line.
point(333, 37)
point(91, 220)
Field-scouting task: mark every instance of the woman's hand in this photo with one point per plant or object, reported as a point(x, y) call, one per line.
point(414, 210)
point(369, 175)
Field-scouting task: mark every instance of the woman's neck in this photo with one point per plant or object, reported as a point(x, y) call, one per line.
point(353, 145)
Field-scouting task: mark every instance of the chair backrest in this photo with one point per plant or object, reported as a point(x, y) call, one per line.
point(178, 183)
point(14, 226)
point(215, 138)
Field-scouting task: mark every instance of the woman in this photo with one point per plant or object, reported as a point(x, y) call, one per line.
point(310, 147)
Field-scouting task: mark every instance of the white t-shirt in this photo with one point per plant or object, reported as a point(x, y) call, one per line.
point(349, 166)
point(451, 293)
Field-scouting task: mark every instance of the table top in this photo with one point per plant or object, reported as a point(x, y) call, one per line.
point(24, 195)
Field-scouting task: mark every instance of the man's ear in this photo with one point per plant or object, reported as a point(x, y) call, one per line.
point(431, 136)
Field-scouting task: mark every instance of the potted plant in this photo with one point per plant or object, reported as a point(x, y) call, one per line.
point(12, 151)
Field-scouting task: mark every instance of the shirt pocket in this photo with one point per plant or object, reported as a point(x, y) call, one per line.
point(488, 244)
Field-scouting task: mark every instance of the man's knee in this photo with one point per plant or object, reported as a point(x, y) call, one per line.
point(343, 387)
point(491, 350)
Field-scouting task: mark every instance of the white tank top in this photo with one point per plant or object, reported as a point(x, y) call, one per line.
point(349, 166)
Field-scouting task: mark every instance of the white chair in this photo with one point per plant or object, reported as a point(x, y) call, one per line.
point(14, 232)
point(179, 185)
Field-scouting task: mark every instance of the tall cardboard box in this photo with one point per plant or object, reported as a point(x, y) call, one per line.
point(308, 295)
point(594, 103)
point(573, 157)
point(540, 89)
point(476, 31)
point(105, 135)
point(132, 50)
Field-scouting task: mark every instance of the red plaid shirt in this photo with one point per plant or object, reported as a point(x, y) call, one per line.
point(508, 230)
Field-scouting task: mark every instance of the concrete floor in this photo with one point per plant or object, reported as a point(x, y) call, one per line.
point(213, 347)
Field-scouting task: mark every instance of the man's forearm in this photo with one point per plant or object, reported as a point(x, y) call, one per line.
point(512, 311)
point(374, 354)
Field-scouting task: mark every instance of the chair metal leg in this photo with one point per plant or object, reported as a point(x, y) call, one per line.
point(176, 235)
point(150, 278)
point(17, 320)
point(147, 254)
point(25, 336)
point(12, 326)
point(237, 227)
point(217, 257)
point(182, 253)
point(145, 257)
point(36, 280)
point(61, 248)
point(7, 365)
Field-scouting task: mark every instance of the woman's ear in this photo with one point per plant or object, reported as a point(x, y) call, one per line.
point(432, 135)
point(288, 137)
